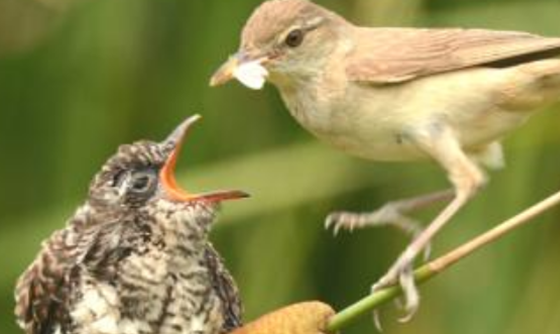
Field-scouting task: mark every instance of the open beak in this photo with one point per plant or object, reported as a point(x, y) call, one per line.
point(250, 71)
point(167, 173)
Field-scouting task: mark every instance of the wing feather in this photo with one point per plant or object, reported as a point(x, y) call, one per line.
point(393, 55)
point(43, 289)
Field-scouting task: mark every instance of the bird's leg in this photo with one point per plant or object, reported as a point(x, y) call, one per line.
point(391, 214)
point(466, 177)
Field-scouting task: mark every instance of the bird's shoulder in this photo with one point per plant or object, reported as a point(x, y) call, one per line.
point(393, 55)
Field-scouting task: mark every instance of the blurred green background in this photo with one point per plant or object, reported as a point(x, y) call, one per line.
point(80, 77)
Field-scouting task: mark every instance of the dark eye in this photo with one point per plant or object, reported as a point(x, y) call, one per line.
point(142, 181)
point(294, 38)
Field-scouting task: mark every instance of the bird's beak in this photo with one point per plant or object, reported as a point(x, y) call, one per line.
point(249, 70)
point(167, 173)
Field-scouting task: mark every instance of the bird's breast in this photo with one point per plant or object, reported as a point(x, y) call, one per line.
point(151, 297)
point(165, 288)
point(343, 119)
point(379, 122)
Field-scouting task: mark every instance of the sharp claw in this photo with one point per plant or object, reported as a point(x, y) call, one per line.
point(377, 321)
point(410, 312)
point(336, 222)
point(327, 222)
point(407, 317)
point(330, 222)
point(412, 297)
point(375, 313)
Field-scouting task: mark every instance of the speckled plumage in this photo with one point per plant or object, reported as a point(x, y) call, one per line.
point(130, 262)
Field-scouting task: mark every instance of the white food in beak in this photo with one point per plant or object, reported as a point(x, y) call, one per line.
point(251, 74)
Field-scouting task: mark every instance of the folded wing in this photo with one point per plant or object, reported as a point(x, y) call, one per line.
point(393, 55)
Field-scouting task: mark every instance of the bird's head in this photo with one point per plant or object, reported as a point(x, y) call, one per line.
point(283, 40)
point(143, 173)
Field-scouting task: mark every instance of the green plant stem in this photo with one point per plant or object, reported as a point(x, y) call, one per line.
point(366, 305)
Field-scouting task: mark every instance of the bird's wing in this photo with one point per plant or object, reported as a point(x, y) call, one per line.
point(43, 290)
point(225, 287)
point(393, 55)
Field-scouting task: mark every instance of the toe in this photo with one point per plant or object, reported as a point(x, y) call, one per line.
point(332, 221)
point(377, 321)
point(411, 295)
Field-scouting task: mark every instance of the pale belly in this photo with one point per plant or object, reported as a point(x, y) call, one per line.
point(389, 142)
point(380, 123)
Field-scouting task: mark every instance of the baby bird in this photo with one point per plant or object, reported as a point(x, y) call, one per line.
point(135, 257)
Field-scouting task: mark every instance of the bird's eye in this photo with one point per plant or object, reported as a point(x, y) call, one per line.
point(142, 181)
point(294, 38)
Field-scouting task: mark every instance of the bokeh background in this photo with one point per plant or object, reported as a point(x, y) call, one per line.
point(80, 77)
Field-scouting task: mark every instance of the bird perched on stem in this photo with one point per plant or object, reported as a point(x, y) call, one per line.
point(135, 258)
point(399, 94)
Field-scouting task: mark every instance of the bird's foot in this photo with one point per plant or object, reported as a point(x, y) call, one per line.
point(388, 215)
point(403, 274)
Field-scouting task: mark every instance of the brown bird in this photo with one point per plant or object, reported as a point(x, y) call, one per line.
point(399, 94)
point(135, 258)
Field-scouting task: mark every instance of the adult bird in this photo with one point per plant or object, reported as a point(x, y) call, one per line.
point(135, 257)
point(399, 94)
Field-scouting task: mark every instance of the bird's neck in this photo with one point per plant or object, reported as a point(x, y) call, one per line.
point(171, 224)
point(181, 227)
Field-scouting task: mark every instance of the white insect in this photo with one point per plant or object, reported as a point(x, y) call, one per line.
point(251, 74)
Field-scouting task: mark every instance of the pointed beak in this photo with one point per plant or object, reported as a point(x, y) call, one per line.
point(167, 173)
point(249, 70)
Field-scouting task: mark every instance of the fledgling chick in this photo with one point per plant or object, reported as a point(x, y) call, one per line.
point(135, 258)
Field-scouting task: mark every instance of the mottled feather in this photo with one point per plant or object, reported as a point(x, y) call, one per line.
point(43, 290)
point(225, 287)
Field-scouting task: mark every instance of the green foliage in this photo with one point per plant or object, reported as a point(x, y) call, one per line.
point(90, 75)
